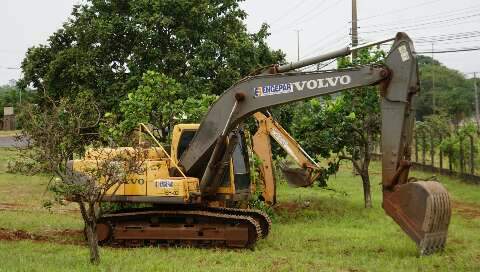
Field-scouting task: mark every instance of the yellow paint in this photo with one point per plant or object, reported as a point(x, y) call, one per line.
point(154, 180)
point(177, 133)
point(136, 185)
point(88, 166)
point(172, 186)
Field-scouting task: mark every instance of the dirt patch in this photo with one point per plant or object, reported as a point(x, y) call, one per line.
point(466, 210)
point(15, 235)
point(29, 208)
point(292, 207)
point(11, 206)
point(288, 207)
point(67, 236)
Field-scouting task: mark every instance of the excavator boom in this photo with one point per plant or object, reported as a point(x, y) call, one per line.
point(422, 209)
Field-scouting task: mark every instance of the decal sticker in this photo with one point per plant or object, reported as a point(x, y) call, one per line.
point(273, 89)
point(283, 142)
point(312, 84)
point(163, 183)
point(403, 52)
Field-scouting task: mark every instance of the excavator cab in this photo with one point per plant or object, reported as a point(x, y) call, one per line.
point(234, 181)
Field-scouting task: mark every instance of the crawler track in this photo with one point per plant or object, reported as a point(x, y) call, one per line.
point(262, 218)
point(210, 227)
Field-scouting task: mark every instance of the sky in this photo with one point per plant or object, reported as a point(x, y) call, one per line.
point(322, 25)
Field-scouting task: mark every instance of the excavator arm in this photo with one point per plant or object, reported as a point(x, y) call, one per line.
point(304, 176)
point(422, 209)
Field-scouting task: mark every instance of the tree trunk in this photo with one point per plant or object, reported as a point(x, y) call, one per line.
point(367, 196)
point(91, 228)
point(90, 220)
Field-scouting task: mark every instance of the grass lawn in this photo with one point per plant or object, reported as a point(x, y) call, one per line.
point(314, 230)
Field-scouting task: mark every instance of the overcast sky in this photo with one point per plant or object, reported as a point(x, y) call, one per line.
point(323, 25)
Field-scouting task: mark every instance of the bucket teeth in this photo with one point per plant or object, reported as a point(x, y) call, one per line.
point(437, 219)
point(423, 211)
point(432, 242)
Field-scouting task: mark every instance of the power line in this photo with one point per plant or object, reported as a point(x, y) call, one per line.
point(448, 37)
point(416, 29)
point(311, 14)
point(319, 13)
point(419, 26)
point(397, 10)
point(451, 41)
point(326, 39)
point(339, 40)
point(322, 40)
point(461, 37)
point(442, 15)
point(302, 16)
point(449, 50)
point(289, 11)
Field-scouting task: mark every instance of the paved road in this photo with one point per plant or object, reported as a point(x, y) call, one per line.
point(9, 141)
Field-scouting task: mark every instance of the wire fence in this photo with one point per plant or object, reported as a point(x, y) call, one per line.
point(436, 152)
point(453, 153)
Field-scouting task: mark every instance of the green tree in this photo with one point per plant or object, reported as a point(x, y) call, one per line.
point(106, 47)
point(346, 126)
point(160, 101)
point(453, 93)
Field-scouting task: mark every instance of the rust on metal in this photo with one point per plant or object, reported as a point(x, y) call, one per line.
point(422, 209)
point(213, 227)
point(260, 217)
point(298, 177)
point(240, 96)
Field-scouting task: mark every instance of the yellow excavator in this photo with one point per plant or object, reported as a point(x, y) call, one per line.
point(195, 192)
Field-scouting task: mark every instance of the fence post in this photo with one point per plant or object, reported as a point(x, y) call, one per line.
point(416, 147)
point(424, 148)
point(432, 150)
point(440, 137)
point(450, 166)
point(462, 157)
point(472, 150)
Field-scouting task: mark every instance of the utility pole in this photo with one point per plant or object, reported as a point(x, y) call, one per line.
point(298, 43)
point(354, 28)
point(477, 114)
point(433, 85)
point(354, 56)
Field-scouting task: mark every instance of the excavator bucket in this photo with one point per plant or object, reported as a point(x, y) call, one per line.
point(298, 177)
point(422, 209)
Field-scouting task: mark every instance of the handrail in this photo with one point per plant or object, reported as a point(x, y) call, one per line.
point(163, 149)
